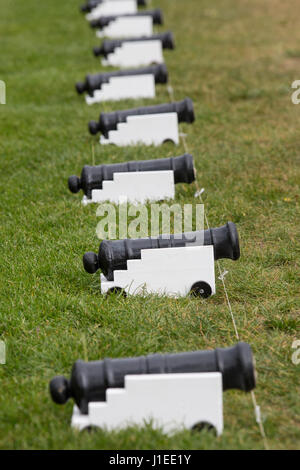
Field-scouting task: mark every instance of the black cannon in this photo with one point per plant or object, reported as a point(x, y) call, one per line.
point(113, 254)
point(92, 177)
point(108, 121)
point(109, 45)
point(103, 21)
point(90, 380)
point(95, 81)
point(91, 4)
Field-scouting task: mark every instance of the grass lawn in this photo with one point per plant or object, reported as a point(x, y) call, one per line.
point(237, 61)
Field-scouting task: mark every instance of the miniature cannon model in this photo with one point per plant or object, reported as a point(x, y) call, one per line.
point(91, 4)
point(108, 46)
point(185, 261)
point(137, 181)
point(123, 84)
point(102, 21)
point(115, 7)
point(95, 82)
point(173, 390)
point(109, 121)
point(127, 26)
point(135, 51)
point(150, 125)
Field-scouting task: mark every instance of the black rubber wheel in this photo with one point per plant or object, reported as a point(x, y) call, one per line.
point(204, 426)
point(117, 291)
point(201, 289)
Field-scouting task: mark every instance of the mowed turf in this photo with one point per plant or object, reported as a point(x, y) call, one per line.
point(237, 61)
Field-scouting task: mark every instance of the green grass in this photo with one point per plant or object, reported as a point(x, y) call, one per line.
point(237, 61)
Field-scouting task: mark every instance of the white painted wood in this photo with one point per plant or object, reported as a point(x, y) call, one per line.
point(150, 129)
point(136, 187)
point(171, 401)
point(135, 54)
point(165, 271)
point(115, 7)
point(127, 27)
point(122, 88)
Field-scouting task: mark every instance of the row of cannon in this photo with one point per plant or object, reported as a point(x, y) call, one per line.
point(97, 386)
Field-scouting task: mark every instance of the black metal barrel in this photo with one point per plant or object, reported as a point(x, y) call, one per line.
point(109, 45)
point(95, 81)
point(90, 380)
point(92, 177)
point(108, 121)
point(113, 254)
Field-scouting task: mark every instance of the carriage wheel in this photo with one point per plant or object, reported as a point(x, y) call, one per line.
point(201, 289)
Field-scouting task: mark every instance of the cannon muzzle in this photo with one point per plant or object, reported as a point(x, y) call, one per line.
point(114, 254)
point(90, 5)
point(90, 380)
point(95, 82)
point(108, 46)
point(92, 177)
point(109, 121)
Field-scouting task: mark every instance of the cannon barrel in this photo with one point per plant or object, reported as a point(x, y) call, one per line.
point(113, 254)
point(103, 21)
point(108, 121)
point(109, 45)
point(95, 81)
point(91, 4)
point(90, 380)
point(92, 177)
